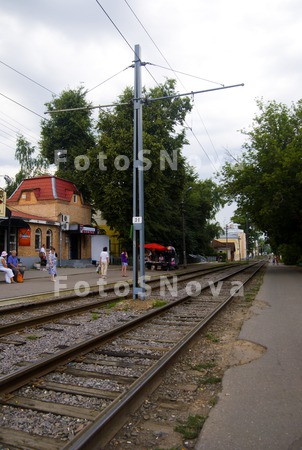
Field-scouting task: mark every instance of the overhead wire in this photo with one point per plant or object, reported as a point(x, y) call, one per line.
point(19, 104)
point(150, 37)
point(175, 72)
point(187, 74)
point(3, 143)
point(17, 130)
point(8, 134)
point(115, 26)
point(14, 120)
point(108, 79)
point(210, 139)
point(25, 76)
point(22, 106)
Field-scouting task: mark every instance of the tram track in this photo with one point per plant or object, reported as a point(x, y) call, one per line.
point(121, 356)
point(12, 318)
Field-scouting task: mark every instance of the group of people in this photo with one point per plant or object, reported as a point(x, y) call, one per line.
point(104, 262)
point(9, 264)
point(11, 267)
point(49, 260)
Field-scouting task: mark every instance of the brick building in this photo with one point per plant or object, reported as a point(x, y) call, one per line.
point(47, 210)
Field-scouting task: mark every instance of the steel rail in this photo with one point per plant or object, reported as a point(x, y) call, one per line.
point(110, 420)
point(109, 288)
point(19, 378)
point(44, 318)
point(97, 436)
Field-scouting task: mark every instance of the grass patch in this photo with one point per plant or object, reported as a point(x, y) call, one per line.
point(32, 337)
point(249, 298)
point(159, 303)
point(213, 401)
point(191, 428)
point(111, 305)
point(204, 366)
point(172, 448)
point(211, 337)
point(94, 316)
point(210, 380)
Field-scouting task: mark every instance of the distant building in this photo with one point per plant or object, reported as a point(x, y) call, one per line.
point(115, 244)
point(232, 242)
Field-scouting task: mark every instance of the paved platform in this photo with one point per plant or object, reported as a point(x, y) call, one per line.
point(69, 279)
point(260, 406)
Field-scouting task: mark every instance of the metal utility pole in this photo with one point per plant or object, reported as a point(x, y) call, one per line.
point(226, 242)
point(184, 227)
point(138, 183)
point(184, 236)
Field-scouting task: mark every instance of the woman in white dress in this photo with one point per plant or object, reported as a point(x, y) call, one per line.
point(52, 263)
point(9, 274)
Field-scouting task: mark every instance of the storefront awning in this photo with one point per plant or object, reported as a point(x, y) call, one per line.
point(13, 222)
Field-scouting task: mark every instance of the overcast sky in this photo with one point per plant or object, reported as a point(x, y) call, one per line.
point(64, 44)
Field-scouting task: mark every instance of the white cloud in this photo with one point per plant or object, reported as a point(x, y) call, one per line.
point(61, 44)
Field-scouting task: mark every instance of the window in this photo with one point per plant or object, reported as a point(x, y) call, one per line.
point(75, 198)
point(48, 239)
point(38, 239)
point(25, 196)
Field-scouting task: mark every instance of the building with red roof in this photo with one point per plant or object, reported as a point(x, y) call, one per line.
point(47, 210)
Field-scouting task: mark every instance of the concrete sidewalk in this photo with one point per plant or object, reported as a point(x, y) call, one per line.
point(37, 282)
point(260, 406)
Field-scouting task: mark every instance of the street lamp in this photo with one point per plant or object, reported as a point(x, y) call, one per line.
point(184, 227)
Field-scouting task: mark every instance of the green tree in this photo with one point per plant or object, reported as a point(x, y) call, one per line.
point(67, 135)
point(30, 165)
point(201, 205)
point(107, 160)
point(166, 176)
point(164, 182)
point(266, 181)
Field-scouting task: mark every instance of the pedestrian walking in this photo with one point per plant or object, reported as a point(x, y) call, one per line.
point(124, 261)
point(104, 262)
point(43, 257)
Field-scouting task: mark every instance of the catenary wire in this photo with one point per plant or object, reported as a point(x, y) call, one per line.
point(108, 79)
point(25, 76)
point(17, 130)
point(210, 139)
point(176, 72)
point(3, 143)
point(14, 120)
point(187, 74)
point(115, 26)
point(22, 106)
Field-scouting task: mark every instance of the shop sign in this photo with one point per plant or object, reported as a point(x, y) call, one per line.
point(24, 237)
point(87, 230)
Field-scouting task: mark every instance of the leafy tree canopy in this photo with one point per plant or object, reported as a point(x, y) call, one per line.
point(30, 165)
point(166, 173)
point(99, 161)
point(266, 181)
point(67, 135)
